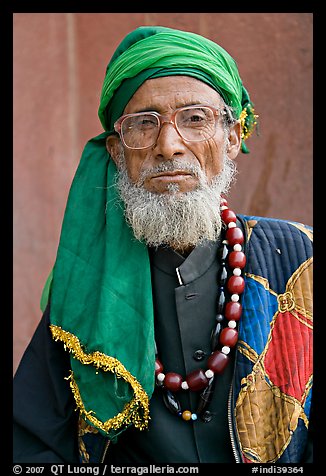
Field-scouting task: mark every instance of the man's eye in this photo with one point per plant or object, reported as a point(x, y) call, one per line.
point(196, 118)
point(146, 122)
point(193, 119)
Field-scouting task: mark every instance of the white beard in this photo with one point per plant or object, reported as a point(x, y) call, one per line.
point(179, 220)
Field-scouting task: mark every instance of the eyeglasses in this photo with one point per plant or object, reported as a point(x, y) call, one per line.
point(192, 123)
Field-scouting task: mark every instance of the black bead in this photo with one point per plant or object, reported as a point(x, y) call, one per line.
point(171, 402)
point(223, 252)
point(219, 317)
point(206, 396)
point(215, 336)
point(223, 276)
point(220, 302)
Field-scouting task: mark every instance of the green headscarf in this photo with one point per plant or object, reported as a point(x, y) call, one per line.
point(100, 285)
point(151, 52)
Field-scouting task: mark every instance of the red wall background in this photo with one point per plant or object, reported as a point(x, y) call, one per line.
point(59, 64)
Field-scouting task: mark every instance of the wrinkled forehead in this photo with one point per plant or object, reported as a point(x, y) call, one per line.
point(171, 92)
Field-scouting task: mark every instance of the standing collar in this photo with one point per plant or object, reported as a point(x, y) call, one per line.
point(189, 268)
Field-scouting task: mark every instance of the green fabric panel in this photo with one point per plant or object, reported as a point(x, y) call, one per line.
point(101, 289)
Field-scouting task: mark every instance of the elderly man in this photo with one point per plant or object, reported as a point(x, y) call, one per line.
point(174, 330)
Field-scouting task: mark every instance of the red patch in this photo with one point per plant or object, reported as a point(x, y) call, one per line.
point(288, 361)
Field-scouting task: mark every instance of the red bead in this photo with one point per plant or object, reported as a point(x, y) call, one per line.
point(237, 259)
point(229, 337)
point(197, 380)
point(158, 367)
point(228, 215)
point(233, 311)
point(234, 236)
point(217, 362)
point(172, 381)
point(236, 284)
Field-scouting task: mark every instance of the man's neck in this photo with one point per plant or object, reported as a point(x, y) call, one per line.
point(183, 251)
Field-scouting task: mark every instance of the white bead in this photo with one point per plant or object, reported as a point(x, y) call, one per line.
point(237, 247)
point(232, 324)
point(184, 385)
point(225, 242)
point(237, 272)
point(209, 373)
point(160, 377)
point(226, 350)
point(223, 207)
point(232, 224)
point(235, 297)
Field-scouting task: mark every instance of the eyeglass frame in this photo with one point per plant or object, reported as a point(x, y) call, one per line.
point(118, 123)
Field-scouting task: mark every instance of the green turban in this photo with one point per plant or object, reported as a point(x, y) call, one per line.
point(151, 52)
point(100, 286)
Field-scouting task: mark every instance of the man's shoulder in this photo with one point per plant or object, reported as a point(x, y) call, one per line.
point(276, 249)
point(259, 224)
point(294, 239)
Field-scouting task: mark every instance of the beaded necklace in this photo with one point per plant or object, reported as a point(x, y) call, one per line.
point(223, 337)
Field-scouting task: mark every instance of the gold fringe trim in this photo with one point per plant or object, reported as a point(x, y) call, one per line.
point(132, 410)
point(246, 131)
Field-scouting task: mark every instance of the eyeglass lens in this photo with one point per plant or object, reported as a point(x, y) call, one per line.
point(193, 124)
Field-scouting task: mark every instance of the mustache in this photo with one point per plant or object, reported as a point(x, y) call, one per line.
point(170, 166)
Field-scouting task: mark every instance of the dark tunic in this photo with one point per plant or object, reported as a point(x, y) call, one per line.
point(184, 318)
point(45, 423)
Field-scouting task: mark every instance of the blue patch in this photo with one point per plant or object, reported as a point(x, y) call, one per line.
point(259, 307)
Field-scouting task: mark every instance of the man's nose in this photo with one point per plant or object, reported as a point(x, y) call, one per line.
point(169, 143)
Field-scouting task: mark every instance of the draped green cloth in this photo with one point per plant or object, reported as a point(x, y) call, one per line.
point(100, 286)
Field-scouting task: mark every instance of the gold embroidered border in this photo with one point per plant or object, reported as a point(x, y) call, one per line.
point(304, 229)
point(306, 320)
point(295, 276)
point(263, 281)
point(305, 394)
point(131, 411)
point(287, 301)
point(250, 225)
point(305, 270)
point(247, 351)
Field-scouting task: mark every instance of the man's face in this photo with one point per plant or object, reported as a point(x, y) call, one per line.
point(165, 95)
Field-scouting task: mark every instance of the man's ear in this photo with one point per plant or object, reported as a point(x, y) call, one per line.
point(114, 147)
point(234, 140)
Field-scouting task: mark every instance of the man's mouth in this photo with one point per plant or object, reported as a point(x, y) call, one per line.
point(172, 175)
